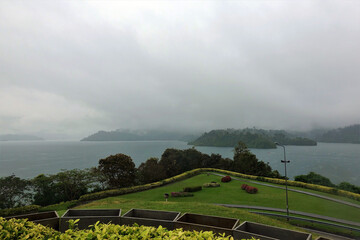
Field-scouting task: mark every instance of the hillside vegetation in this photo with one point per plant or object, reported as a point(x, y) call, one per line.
point(253, 138)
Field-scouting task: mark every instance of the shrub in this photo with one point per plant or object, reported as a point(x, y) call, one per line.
point(212, 184)
point(19, 210)
point(226, 179)
point(192, 189)
point(181, 194)
point(243, 187)
point(251, 190)
point(23, 229)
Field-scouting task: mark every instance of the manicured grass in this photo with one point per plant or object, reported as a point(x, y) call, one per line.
point(310, 191)
point(231, 193)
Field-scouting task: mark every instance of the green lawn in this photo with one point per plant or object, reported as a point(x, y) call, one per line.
point(231, 193)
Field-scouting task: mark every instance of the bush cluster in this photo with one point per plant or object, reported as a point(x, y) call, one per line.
point(19, 210)
point(23, 229)
point(249, 189)
point(181, 194)
point(212, 184)
point(226, 179)
point(192, 189)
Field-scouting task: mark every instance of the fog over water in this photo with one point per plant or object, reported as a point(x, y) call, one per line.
point(71, 68)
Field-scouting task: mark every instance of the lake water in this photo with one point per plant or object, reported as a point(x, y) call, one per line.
point(339, 162)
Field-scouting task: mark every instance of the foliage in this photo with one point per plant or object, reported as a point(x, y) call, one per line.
point(19, 210)
point(212, 184)
point(243, 186)
point(119, 170)
point(349, 187)
point(192, 189)
point(246, 162)
point(314, 178)
point(60, 206)
point(349, 134)
point(151, 171)
point(23, 229)
point(181, 194)
point(226, 179)
point(250, 189)
point(13, 192)
point(253, 138)
point(230, 137)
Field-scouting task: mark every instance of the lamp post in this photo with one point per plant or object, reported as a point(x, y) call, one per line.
point(286, 190)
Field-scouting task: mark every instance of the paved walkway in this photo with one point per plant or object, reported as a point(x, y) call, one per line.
point(293, 212)
point(293, 190)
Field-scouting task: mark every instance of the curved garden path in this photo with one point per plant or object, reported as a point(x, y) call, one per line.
point(293, 190)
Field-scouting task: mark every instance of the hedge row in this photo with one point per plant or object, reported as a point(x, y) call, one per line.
point(315, 187)
point(121, 191)
point(23, 229)
point(19, 210)
point(181, 194)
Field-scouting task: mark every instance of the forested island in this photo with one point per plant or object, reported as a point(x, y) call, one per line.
point(18, 137)
point(253, 138)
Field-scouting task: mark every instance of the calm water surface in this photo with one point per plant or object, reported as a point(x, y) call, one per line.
point(339, 162)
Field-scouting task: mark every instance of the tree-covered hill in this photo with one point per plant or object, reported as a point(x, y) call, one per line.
point(350, 134)
point(253, 138)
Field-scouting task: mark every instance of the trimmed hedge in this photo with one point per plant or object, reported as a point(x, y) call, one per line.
point(192, 189)
point(226, 179)
point(23, 229)
point(212, 184)
point(19, 210)
point(121, 191)
point(251, 190)
point(181, 194)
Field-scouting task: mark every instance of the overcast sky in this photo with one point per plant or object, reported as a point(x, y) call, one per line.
point(71, 68)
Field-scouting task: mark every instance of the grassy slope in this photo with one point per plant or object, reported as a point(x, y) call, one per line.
point(228, 193)
point(232, 194)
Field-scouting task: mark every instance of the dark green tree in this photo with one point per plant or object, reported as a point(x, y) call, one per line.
point(118, 169)
point(349, 187)
point(314, 178)
point(71, 184)
point(14, 192)
point(151, 171)
point(246, 162)
point(45, 190)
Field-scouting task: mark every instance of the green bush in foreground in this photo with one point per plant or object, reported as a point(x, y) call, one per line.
point(23, 229)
